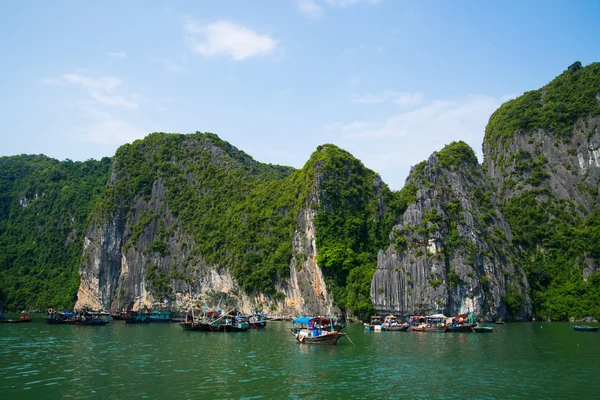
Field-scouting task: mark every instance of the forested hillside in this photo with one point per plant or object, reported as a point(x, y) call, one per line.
point(44, 207)
point(175, 214)
point(181, 208)
point(541, 150)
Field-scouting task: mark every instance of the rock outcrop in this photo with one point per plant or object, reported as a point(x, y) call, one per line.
point(138, 252)
point(452, 251)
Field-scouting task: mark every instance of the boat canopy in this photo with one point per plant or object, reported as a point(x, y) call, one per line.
point(302, 320)
point(435, 316)
point(318, 320)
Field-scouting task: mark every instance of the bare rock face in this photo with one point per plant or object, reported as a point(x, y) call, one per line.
point(537, 160)
point(140, 254)
point(452, 251)
point(305, 290)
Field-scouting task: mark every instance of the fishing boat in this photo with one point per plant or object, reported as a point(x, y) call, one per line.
point(392, 324)
point(585, 328)
point(431, 323)
point(160, 316)
point(91, 318)
point(315, 333)
point(461, 323)
point(59, 317)
point(257, 321)
point(22, 318)
point(375, 324)
point(320, 322)
point(136, 317)
point(232, 323)
point(482, 329)
point(118, 315)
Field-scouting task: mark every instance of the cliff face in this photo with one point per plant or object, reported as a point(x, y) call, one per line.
point(452, 251)
point(542, 151)
point(139, 251)
point(537, 160)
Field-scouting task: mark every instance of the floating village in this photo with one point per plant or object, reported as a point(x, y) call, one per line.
point(305, 329)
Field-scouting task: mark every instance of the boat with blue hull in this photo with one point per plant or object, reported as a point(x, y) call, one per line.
point(584, 328)
point(257, 321)
point(135, 317)
point(161, 316)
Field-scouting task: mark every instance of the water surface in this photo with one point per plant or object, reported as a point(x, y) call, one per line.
point(161, 361)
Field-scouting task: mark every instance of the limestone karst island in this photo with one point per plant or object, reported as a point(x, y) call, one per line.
point(182, 218)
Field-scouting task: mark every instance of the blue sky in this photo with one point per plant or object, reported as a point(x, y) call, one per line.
point(390, 81)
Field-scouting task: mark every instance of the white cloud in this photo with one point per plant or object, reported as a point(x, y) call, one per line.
point(100, 89)
point(103, 83)
point(369, 99)
point(116, 54)
point(101, 108)
point(391, 146)
point(313, 8)
point(227, 38)
point(117, 101)
point(403, 99)
point(111, 131)
point(309, 8)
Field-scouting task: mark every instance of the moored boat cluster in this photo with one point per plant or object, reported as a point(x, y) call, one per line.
point(429, 323)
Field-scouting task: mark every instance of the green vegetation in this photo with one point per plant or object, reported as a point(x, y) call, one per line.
point(350, 226)
point(242, 215)
point(559, 238)
point(558, 242)
point(456, 154)
point(44, 207)
point(555, 107)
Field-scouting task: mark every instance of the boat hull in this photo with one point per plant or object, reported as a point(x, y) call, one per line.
point(136, 321)
point(328, 338)
point(586, 328)
point(399, 328)
point(429, 328)
point(459, 328)
point(483, 329)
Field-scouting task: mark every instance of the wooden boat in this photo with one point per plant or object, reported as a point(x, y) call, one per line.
point(135, 317)
point(460, 328)
point(584, 328)
point(482, 329)
point(90, 318)
point(189, 326)
point(461, 323)
point(431, 323)
point(257, 321)
point(376, 324)
point(233, 324)
point(22, 318)
point(320, 322)
point(392, 324)
point(311, 333)
point(118, 315)
point(160, 316)
point(59, 317)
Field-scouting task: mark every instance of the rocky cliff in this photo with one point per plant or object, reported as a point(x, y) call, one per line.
point(542, 151)
point(190, 218)
point(185, 218)
point(452, 251)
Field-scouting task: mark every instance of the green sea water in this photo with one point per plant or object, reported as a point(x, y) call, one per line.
point(161, 361)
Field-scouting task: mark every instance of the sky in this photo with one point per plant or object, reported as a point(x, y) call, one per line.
point(390, 81)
